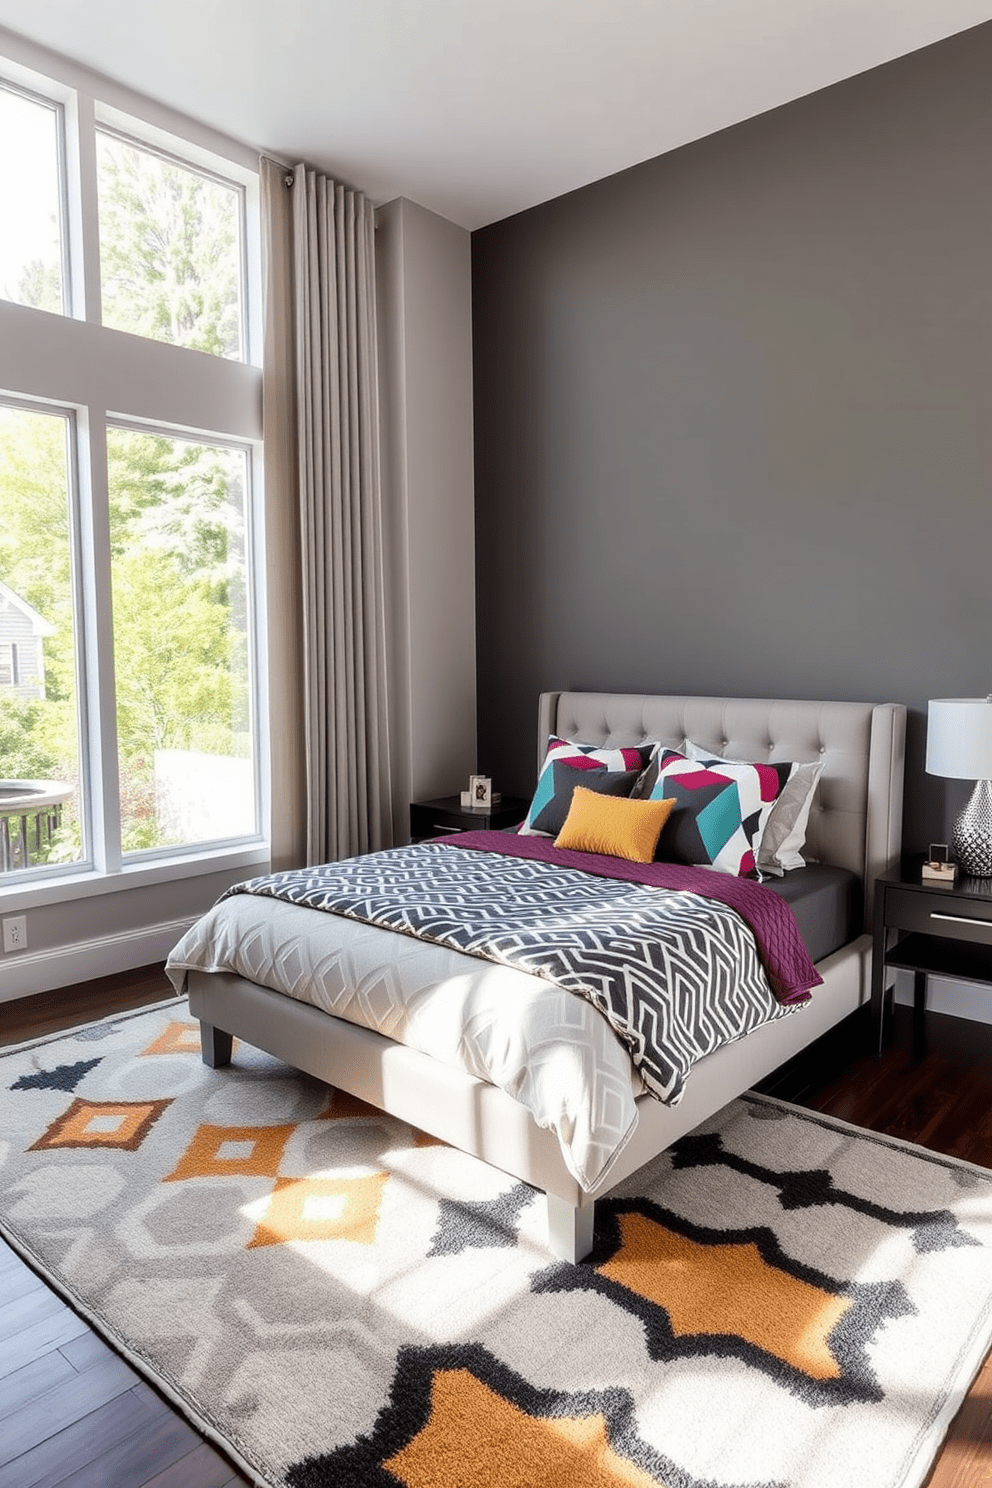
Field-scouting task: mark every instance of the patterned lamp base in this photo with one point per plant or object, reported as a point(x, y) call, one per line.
point(973, 832)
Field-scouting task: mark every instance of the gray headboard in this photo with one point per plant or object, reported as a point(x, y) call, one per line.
point(856, 820)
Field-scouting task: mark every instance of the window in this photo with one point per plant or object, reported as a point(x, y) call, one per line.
point(9, 674)
point(129, 636)
point(179, 567)
point(170, 249)
point(31, 243)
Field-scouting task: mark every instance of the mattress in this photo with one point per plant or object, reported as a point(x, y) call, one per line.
point(828, 905)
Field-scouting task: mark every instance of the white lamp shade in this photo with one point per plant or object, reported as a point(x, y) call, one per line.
point(959, 738)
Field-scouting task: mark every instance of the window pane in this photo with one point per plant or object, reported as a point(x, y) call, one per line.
point(31, 233)
point(170, 250)
point(181, 653)
point(40, 819)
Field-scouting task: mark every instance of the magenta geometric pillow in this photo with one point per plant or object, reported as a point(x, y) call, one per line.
point(720, 809)
point(580, 757)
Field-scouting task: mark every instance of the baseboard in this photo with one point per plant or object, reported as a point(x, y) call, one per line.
point(24, 973)
point(959, 999)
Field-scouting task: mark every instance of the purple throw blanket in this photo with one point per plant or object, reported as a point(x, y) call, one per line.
point(783, 954)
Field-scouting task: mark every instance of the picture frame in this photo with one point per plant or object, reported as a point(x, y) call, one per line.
point(938, 867)
point(480, 790)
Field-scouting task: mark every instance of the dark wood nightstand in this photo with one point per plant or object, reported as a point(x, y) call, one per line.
point(447, 814)
point(942, 930)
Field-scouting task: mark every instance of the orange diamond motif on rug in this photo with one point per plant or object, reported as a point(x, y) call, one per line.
point(121, 1124)
point(177, 1038)
point(322, 1209)
point(226, 1151)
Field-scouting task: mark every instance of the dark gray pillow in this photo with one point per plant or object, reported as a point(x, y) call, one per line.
point(566, 777)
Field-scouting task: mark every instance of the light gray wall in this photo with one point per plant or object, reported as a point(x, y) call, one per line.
point(733, 423)
point(423, 278)
point(103, 927)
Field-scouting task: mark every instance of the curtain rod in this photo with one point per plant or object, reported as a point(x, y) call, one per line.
point(287, 170)
point(289, 174)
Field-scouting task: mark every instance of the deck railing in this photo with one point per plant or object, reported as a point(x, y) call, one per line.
point(30, 815)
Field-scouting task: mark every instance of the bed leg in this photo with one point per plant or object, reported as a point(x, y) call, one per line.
point(215, 1045)
point(570, 1229)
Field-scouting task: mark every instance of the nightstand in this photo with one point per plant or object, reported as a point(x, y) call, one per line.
point(447, 814)
point(941, 930)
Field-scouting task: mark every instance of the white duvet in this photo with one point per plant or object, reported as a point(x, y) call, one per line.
point(550, 1050)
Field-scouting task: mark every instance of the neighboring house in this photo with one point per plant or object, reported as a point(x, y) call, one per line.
point(22, 661)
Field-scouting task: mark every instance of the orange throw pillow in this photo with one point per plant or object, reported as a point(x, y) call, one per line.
point(613, 825)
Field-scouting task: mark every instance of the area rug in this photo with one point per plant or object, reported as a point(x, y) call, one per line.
point(780, 1299)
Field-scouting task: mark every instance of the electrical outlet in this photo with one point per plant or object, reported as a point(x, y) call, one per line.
point(15, 933)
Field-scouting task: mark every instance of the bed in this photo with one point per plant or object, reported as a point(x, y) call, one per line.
point(854, 825)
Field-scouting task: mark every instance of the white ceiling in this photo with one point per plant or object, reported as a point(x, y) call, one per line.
point(480, 108)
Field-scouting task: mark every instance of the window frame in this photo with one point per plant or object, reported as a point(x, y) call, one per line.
point(71, 364)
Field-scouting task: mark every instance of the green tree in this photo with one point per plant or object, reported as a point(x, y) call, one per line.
point(23, 753)
point(171, 655)
point(169, 258)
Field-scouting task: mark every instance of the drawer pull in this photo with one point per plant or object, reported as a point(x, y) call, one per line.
point(962, 920)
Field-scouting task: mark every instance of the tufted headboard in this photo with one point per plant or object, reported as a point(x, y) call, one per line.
point(856, 820)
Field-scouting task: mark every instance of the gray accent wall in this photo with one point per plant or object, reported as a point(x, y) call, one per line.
point(733, 418)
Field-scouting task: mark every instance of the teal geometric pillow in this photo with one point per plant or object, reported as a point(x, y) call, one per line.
point(720, 809)
point(781, 842)
point(586, 757)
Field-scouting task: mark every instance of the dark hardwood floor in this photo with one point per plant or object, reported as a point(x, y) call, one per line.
point(74, 1414)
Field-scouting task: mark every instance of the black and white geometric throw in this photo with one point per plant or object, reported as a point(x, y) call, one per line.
point(675, 974)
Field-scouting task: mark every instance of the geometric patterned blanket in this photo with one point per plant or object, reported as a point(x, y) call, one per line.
point(675, 974)
point(783, 952)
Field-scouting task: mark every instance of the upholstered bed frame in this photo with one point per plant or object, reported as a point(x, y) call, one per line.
point(855, 824)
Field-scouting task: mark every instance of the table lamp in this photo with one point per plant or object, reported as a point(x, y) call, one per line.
point(959, 747)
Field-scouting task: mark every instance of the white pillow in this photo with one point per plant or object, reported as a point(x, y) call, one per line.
point(785, 829)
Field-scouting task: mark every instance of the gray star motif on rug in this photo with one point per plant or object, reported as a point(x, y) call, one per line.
point(483, 1223)
point(64, 1077)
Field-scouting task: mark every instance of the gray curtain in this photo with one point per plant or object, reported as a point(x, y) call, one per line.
point(346, 722)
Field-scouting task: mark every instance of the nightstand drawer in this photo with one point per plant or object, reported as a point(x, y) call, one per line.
point(955, 918)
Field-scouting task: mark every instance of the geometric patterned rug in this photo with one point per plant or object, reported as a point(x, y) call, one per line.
point(779, 1301)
